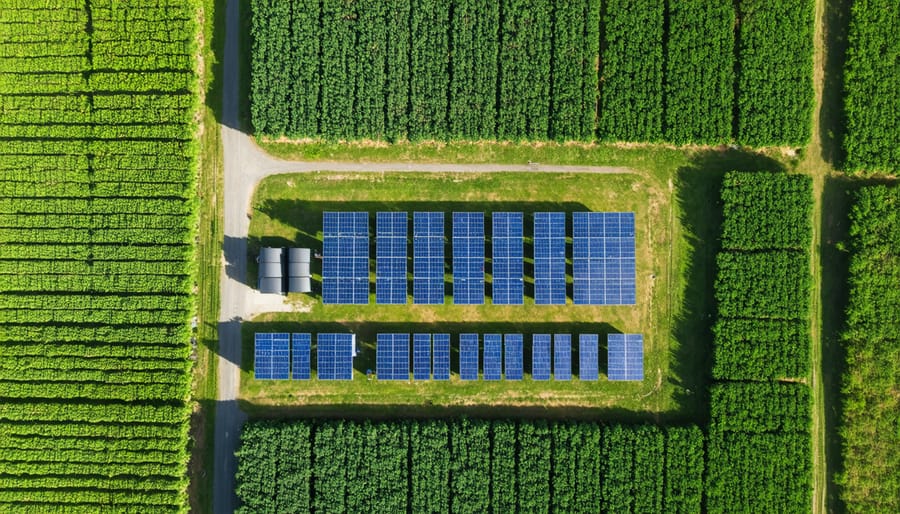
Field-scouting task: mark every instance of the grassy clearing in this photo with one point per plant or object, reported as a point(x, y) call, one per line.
point(287, 210)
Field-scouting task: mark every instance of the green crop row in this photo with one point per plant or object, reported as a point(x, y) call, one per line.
point(468, 466)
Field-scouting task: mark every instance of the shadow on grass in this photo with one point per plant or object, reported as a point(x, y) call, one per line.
point(366, 334)
point(832, 123)
point(698, 187)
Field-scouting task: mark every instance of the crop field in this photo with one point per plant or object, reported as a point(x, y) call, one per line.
point(97, 214)
point(287, 211)
point(514, 70)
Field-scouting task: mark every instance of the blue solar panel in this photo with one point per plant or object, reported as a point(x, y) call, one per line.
point(392, 356)
point(468, 258)
point(390, 257)
point(301, 344)
point(334, 356)
point(512, 349)
point(540, 357)
point(549, 258)
point(625, 354)
point(493, 356)
point(422, 356)
point(441, 353)
point(468, 356)
point(588, 357)
point(428, 257)
point(345, 258)
point(272, 356)
point(603, 258)
point(562, 357)
point(507, 282)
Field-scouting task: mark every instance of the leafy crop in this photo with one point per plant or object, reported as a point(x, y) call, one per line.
point(870, 384)
point(97, 220)
point(474, 465)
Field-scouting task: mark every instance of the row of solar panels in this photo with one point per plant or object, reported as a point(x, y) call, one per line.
point(603, 258)
point(282, 356)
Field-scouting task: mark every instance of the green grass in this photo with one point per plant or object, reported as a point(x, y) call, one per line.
point(675, 233)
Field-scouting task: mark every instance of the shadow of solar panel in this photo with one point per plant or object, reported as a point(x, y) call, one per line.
point(493, 359)
point(272, 356)
point(512, 354)
point(390, 257)
point(422, 356)
point(468, 356)
point(603, 258)
point(549, 258)
point(588, 358)
point(540, 357)
point(625, 353)
point(345, 258)
point(428, 257)
point(468, 258)
point(562, 357)
point(300, 358)
point(507, 259)
point(441, 353)
point(334, 356)
point(392, 356)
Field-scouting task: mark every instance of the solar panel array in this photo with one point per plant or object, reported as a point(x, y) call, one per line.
point(300, 352)
point(392, 356)
point(588, 357)
point(540, 357)
point(603, 258)
point(493, 356)
point(345, 258)
point(441, 354)
point(390, 257)
point(468, 258)
point(512, 356)
point(421, 356)
point(272, 356)
point(550, 258)
point(507, 260)
point(428, 257)
point(625, 354)
point(468, 356)
point(334, 356)
point(562, 357)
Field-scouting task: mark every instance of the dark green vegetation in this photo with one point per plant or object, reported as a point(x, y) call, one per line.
point(871, 380)
point(526, 70)
point(775, 67)
point(760, 455)
point(468, 466)
point(97, 215)
point(872, 82)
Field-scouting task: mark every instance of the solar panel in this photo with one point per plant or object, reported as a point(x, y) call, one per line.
point(493, 356)
point(428, 257)
point(345, 258)
point(540, 357)
point(562, 357)
point(625, 353)
point(301, 344)
point(588, 358)
point(507, 283)
point(603, 258)
point(441, 354)
point(271, 356)
point(390, 257)
point(468, 258)
point(512, 349)
point(468, 356)
point(392, 356)
point(334, 356)
point(422, 356)
point(549, 258)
